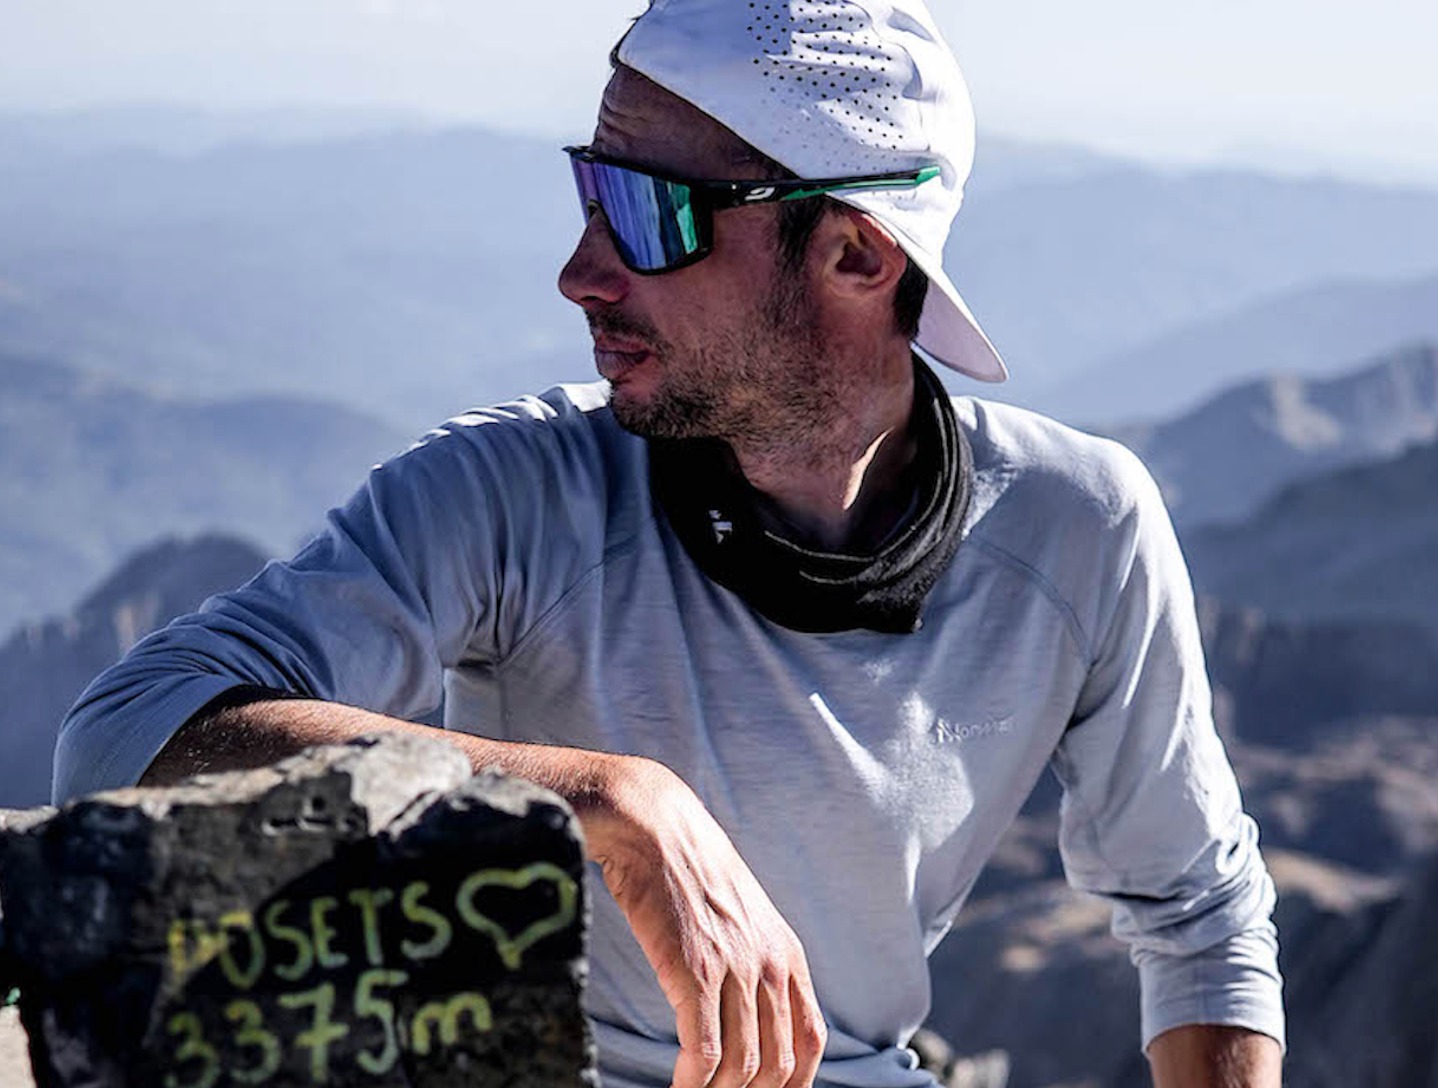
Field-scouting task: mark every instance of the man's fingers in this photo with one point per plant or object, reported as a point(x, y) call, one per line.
point(729, 965)
point(770, 1035)
point(740, 1014)
point(701, 1039)
point(809, 1032)
point(776, 1032)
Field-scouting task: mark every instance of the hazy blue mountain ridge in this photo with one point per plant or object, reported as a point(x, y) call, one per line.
point(1313, 331)
point(401, 275)
point(412, 274)
point(95, 468)
point(190, 130)
point(1002, 163)
point(1220, 460)
point(1066, 274)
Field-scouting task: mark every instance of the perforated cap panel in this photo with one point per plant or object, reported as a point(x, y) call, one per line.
point(817, 57)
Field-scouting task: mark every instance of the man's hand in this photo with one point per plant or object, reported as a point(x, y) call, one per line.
point(1212, 1056)
point(729, 964)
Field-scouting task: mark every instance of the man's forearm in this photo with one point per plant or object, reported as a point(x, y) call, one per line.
point(1213, 1056)
point(258, 733)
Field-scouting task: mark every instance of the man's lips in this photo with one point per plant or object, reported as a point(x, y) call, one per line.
point(614, 358)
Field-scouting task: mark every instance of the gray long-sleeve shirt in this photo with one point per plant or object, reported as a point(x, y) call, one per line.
point(516, 556)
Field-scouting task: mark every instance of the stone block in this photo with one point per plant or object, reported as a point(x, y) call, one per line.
point(360, 915)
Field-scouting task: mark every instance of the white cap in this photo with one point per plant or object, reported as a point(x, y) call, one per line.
point(831, 88)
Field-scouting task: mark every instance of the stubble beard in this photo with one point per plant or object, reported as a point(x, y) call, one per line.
point(758, 384)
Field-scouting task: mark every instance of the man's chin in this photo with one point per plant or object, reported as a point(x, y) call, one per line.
point(635, 417)
point(658, 416)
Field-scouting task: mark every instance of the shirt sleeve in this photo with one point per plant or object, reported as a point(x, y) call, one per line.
point(1151, 817)
point(431, 562)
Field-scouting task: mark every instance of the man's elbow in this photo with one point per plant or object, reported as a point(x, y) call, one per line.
point(1215, 1056)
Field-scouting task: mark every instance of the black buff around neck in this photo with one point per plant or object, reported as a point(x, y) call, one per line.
point(715, 512)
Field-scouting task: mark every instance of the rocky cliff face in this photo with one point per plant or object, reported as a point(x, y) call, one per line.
point(1363, 981)
point(1281, 681)
point(1360, 543)
point(44, 666)
point(1334, 728)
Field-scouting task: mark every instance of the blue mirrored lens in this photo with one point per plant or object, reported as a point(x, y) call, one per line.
point(653, 221)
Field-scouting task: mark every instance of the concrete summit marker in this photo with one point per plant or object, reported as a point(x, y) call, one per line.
point(367, 914)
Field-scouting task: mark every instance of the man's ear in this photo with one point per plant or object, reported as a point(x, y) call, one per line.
point(861, 259)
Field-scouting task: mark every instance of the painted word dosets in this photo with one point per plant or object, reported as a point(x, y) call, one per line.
point(356, 977)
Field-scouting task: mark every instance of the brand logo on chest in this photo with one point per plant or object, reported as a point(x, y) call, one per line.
point(954, 733)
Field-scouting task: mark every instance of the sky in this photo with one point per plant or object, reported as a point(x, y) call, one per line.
point(1294, 85)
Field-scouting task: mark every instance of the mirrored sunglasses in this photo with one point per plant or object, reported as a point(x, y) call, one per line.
point(660, 223)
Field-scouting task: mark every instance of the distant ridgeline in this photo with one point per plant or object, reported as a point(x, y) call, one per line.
point(361, 915)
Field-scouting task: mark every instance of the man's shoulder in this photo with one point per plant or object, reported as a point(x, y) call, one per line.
point(565, 409)
point(1068, 512)
point(540, 463)
point(1033, 465)
point(567, 435)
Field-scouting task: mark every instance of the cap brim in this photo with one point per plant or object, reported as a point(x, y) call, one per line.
point(948, 330)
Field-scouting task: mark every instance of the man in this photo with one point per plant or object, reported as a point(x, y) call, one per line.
point(793, 632)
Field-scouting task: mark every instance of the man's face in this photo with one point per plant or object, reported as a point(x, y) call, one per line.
point(727, 347)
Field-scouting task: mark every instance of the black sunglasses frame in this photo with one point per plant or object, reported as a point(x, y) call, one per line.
point(709, 196)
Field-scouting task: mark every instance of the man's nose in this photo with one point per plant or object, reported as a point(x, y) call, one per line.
point(594, 272)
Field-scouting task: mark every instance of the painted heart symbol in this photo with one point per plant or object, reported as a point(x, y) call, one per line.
point(511, 947)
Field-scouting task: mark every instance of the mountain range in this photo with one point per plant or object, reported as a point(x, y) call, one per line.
point(1358, 543)
point(98, 467)
point(410, 274)
point(95, 468)
point(400, 275)
point(45, 665)
point(1312, 331)
point(1218, 461)
point(1069, 272)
